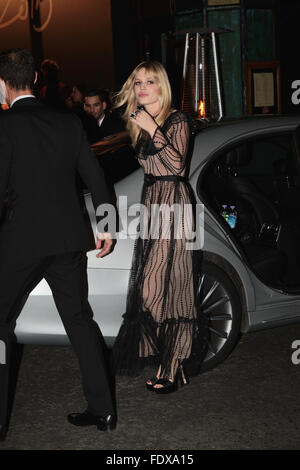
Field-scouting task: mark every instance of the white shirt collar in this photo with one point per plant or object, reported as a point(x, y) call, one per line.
point(20, 98)
point(101, 120)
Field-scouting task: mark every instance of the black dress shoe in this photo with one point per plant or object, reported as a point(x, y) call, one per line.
point(103, 423)
point(3, 431)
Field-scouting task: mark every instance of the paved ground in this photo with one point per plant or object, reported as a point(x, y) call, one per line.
point(251, 401)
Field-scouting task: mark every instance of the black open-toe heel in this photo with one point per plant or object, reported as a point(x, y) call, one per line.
point(169, 386)
point(153, 381)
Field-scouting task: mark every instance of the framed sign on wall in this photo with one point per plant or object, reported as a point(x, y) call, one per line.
point(263, 87)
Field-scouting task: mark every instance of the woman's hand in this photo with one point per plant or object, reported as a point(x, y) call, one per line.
point(145, 121)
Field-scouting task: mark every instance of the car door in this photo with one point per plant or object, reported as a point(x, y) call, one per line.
point(273, 168)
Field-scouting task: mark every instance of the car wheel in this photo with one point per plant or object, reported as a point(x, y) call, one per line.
point(220, 302)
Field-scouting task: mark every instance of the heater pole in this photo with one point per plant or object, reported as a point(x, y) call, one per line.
point(197, 74)
point(213, 36)
point(186, 48)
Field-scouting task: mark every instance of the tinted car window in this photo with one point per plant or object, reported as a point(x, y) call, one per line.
point(266, 162)
point(269, 156)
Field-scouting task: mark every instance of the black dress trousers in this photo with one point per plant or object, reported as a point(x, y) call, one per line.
point(65, 275)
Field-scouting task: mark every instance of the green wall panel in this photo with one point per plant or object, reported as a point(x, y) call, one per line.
point(194, 20)
point(230, 58)
point(260, 35)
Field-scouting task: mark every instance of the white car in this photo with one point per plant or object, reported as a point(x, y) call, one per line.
point(246, 173)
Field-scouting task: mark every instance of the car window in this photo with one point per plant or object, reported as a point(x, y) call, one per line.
point(267, 156)
point(254, 190)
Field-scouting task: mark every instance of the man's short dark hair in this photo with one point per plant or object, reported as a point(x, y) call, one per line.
point(17, 68)
point(102, 94)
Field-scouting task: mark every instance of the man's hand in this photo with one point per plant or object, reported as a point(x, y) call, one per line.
point(105, 243)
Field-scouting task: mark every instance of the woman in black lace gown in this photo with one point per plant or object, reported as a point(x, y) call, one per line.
point(163, 323)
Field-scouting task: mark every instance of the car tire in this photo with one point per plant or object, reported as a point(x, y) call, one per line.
point(220, 301)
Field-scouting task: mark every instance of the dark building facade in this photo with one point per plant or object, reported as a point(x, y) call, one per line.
point(257, 53)
point(100, 41)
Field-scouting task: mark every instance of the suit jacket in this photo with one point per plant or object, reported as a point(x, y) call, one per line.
point(41, 150)
point(110, 125)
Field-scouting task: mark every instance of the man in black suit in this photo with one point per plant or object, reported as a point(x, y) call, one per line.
point(97, 104)
point(44, 234)
point(118, 163)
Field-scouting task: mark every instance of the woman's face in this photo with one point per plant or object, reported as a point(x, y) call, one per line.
point(146, 89)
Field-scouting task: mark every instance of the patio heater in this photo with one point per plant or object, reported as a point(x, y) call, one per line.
point(201, 85)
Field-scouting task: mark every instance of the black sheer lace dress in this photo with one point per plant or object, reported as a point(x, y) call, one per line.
point(163, 324)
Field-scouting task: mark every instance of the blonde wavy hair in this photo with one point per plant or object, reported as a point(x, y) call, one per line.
point(126, 96)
